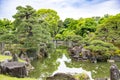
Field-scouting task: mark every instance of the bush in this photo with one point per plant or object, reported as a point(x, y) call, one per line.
point(117, 52)
point(81, 76)
point(100, 48)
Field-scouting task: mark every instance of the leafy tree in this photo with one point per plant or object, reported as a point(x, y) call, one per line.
point(68, 34)
point(70, 23)
point(85, 26)
point(50, 16)
point(24, 20)
point(6, 34)
point(109, 31)
point(103, 19)
point(6, 26)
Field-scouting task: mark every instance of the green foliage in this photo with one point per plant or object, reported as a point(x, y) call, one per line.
point(6, 26)
point(4, 77)
point(8, 38)
point(3, 57)
point(70, 23)
point(59, 36)
point(99, 47)
point(31, 32)
point(50, 16)
point(84, 41)
point(76, 38)
point(85, 26)
point(109, 31)
point(24, 23)
point(7, 31)
point(103, 19)
point(81, 76)
point(117, 52)
point(67, 34)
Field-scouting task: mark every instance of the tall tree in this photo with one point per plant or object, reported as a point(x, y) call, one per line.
point(31, 32)
point(70, 23)
point(51, 17)
point(6, 33)
point(86, 25)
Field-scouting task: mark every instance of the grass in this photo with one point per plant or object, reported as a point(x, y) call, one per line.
point(5, 77)
point(4, 57)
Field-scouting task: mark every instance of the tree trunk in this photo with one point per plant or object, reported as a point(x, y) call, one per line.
point(2, 45)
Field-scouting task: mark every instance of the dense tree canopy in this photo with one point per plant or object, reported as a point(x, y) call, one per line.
point(109, 31)
point(86, 25)
point(30, 31)
point(5, 26)
point(7, 31)
point(51, 17)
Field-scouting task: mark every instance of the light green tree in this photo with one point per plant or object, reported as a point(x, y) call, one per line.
point(51, 17)
point(85, 26)
point(109, 31)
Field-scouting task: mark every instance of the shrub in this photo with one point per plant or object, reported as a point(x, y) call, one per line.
point(98, 47)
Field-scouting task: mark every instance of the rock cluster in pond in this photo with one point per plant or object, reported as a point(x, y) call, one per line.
point(116, 58)
point(61, 76)
point(114, 75)
point(64, 76)
point(79, 53)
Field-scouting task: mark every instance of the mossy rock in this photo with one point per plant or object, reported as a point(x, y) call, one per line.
point(61, 76)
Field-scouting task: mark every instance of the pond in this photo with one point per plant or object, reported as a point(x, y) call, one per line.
point(60, 62)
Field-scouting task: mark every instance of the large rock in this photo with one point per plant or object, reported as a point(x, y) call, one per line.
point(61, 76)
point(75, 52)
point(115, 58)
point(8, 53)
point(101, 79)
point(79, 53)
point(114, 72)
point(16, 69)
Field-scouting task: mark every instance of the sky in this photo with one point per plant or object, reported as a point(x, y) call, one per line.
point(65, 8)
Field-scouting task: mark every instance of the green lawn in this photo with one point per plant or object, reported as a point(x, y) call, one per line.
point(5, 77)
point(4, 57)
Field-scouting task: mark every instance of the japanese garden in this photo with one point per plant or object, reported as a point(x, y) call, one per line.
point(38, 45)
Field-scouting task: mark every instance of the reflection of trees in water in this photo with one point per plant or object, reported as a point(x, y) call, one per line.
point(98, 70)
point(47, 66)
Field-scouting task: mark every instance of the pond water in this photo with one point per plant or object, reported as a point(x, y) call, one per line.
point(60, 62)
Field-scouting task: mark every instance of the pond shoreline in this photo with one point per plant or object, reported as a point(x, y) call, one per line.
point(50, 65)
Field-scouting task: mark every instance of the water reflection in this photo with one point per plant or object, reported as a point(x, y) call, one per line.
point(60, 62)
point(45, 68)
point(62, 68)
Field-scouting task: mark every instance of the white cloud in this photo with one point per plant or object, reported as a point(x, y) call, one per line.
point(65, 8)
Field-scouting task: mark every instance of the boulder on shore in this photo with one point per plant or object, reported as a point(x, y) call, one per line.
point(61, 76)
point(16, 69)
point(65, 76)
